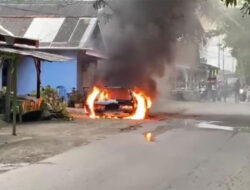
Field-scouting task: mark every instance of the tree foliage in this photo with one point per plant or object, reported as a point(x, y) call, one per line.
point(236, 29)
point(231, 2)
point(245, 4)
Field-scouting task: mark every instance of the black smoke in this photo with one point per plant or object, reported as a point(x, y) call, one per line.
point(142, 37)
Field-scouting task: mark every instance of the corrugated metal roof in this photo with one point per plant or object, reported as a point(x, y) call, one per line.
point(44, 29)
point(53, 33)
point(36, 54)
point(66, 30)
point(80, 30)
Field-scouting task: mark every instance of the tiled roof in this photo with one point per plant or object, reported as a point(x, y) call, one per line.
point(53, 32)
point(56, 24)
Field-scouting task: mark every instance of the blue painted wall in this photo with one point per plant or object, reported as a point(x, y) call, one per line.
point(53, 74)
point(60, 74)
point(26, 76)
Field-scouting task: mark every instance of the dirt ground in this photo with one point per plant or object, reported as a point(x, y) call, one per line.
point(40, 140)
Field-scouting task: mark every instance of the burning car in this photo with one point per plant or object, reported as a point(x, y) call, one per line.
point(114, 101)
point(117, 102)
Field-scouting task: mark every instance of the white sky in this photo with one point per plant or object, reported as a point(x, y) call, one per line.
point(210, 52)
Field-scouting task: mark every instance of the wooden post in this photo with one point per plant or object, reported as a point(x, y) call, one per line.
point(8, 90)
point(20, 113)
point(14, 103)
point(38, 77)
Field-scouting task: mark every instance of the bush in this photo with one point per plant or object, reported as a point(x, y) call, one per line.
point(53, 103)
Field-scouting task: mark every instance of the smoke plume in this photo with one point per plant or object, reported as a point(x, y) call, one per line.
point(142, 37)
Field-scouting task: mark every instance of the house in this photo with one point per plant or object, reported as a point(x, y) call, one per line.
point(71, 30)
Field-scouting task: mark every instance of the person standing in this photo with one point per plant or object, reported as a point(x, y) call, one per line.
point(214, 90)
point(225, 90)
point(237, 91)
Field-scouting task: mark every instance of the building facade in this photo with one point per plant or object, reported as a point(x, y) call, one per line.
point(74, 33)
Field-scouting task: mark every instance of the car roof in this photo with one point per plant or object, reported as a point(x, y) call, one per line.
point(116, 87)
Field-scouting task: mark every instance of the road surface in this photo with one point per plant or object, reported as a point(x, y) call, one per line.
point(187, 154)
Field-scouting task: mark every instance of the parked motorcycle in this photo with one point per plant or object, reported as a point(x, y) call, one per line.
point(243, 94)
point(203, 93)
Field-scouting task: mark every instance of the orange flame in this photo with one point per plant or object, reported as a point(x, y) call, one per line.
point(104, 95)
point(149, 136)
point(142, 103)
point(91, 101)
point(149, 102)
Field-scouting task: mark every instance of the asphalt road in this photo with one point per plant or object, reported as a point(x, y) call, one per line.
point(185, 155)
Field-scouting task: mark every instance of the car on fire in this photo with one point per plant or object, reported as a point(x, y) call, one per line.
point(114, 102)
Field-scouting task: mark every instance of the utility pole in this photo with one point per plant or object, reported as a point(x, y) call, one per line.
point(223, 62)
point(219, 47)
point(219, 55)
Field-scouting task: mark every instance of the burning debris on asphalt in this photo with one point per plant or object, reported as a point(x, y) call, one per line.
point(149, 136)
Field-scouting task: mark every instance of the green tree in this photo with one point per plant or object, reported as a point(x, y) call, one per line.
point(236, 29)
point(244, 3)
